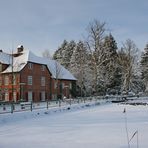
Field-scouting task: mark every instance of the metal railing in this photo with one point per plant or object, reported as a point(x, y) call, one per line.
point(7, 107)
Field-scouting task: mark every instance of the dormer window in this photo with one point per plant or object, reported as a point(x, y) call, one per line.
point(30, 66)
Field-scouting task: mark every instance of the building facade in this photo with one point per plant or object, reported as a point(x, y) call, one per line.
point(27, 77)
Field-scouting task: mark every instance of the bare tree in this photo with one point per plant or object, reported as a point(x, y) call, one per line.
point(46, 54)
point(96, 34)
point(127, 59)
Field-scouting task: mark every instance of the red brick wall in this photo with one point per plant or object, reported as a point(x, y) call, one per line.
point(36, 73)
point(9, 88)
point(22, 88)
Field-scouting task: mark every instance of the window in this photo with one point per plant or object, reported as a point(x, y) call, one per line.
point(6, 80)
point(54, 96)
point(30, 96)
point(30, 65)
point(6, 96)
point(14, 96)
point(43, 68)
point(14, 79)
point(63, 85)
point(70, 86)
point(29, 80)
point(42, 81)
point(55, 85)
point(43, 96)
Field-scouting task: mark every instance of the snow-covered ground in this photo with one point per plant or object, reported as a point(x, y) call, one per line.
point(76, 126)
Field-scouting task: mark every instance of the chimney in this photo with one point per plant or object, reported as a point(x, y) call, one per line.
point(20, 48)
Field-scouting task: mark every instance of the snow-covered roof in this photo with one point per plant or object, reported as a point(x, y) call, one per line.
point(53, 66)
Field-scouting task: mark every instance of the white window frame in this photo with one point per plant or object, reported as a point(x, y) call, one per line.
point(55, 85)
point(30, 96)
point(7, 96)
point(30, 65)
point(30, 80)
point(43, 81)
point(63, 85)
point(14, 79)
point(70, 86)
point(43, 95)
point(6, 81)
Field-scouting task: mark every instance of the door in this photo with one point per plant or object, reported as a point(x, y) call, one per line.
point(43, 95)
point(6, 96)
point(30, 96)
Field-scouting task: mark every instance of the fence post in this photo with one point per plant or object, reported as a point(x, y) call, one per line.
point(47, 104)
point(70, 101)
point(4, 107)
point(59, 103)
point(31, 106)
point(12, 107)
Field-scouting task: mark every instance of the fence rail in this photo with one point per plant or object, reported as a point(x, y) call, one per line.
point(6, 107)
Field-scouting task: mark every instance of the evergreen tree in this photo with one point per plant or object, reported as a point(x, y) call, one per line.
point(78, 66)
point(67, 53)
point(144, 67)
point(64, 53)
point(58, 55)
point(110, 69)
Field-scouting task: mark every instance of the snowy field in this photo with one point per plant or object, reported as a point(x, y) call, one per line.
point(101, 126)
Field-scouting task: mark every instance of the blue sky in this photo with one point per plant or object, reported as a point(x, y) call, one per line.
point(44, 24)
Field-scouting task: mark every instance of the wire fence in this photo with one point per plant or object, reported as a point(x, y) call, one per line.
point(12, 107)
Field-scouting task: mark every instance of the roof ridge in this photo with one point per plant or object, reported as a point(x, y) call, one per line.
point(29, 56)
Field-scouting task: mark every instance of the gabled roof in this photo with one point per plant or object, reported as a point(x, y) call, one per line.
point(54, 67)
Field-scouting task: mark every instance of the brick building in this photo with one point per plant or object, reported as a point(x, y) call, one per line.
point(27, 77)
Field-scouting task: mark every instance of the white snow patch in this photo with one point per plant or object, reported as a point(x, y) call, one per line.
point(100, 126)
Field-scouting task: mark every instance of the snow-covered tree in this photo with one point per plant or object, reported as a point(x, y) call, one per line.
point(46, 54)
point(144, 67)
point(64, 53)
point(79, 67)
point(94, 42)
point(128, 62)
point(58, 55)
point(67, 53)
point(110, 67)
